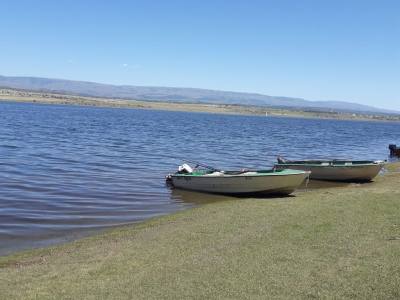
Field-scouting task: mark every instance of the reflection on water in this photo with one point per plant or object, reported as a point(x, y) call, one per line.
point(196, 198)
point(67, 171)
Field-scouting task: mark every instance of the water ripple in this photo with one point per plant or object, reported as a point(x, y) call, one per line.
point(66, 171)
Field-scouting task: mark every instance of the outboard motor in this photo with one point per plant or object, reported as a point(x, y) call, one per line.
point(394, 150)
point(281, 160)
point(185, 168)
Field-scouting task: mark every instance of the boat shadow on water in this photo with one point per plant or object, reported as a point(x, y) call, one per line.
point(197, 198)
point(322, 184)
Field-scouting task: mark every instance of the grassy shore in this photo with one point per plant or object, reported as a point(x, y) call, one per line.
point(51, 98)
point(339, 242)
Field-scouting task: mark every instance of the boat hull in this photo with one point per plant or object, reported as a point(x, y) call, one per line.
point(355, 173)
point(241, 184)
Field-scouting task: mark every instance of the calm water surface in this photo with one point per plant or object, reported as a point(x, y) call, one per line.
point(66, 171)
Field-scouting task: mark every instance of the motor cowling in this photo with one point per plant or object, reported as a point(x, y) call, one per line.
point(185, 168)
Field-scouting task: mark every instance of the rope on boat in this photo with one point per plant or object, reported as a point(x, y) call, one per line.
point(202, 165)
point(308, 179)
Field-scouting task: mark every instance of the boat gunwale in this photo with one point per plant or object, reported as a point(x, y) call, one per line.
point(331, 165)
point(295, 172)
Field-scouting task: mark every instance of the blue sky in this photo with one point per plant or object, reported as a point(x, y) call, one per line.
point(317, 50)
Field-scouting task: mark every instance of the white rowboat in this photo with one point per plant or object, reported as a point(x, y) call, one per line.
point(281, 182)
point(335, 170)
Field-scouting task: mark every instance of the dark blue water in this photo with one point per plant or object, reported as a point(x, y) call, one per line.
point(66, 171)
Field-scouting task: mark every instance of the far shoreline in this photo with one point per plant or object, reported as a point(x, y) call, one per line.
point(22, 96)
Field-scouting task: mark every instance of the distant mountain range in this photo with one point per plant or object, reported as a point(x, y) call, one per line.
point(174, 94)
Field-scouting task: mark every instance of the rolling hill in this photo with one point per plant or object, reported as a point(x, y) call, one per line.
point(175, 94)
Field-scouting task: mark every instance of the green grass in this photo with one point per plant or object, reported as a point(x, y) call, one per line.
point(329, 243)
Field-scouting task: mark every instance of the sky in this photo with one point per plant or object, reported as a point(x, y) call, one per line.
point(318, 50)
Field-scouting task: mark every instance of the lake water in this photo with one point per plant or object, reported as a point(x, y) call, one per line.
point(66, 171)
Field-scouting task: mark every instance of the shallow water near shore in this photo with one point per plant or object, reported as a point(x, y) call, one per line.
point(67, 171)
